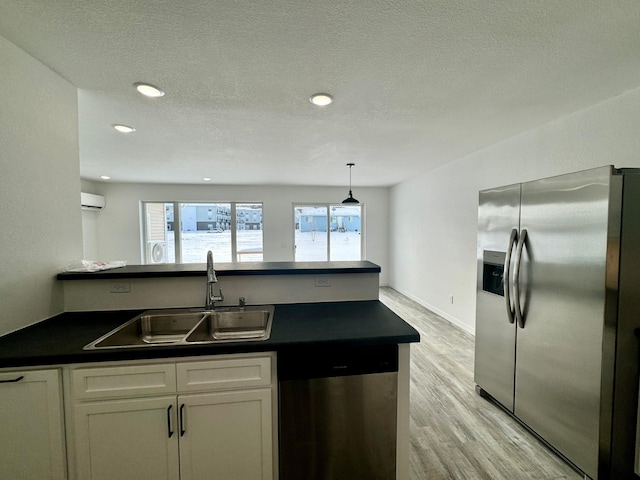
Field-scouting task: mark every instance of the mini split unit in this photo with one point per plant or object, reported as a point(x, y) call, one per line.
point(89, 201)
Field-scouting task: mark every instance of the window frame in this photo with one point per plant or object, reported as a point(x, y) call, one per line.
point(176, 232)
point(328, 227)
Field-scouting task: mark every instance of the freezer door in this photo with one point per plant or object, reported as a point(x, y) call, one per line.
point(562, 285)
point(498, 217)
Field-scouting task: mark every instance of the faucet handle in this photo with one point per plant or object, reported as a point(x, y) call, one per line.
point(242, 302)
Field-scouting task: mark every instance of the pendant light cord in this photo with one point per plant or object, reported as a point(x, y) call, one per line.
point(350, 198)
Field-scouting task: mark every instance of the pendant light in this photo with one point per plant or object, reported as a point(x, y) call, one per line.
point(350, 198)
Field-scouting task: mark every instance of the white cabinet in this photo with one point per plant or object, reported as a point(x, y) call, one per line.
point(189, 420)
point(226, 435)
point(31, 426)
point(126, 439)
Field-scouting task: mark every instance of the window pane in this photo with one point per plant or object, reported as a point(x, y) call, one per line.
point(204, 227)
point(184, 232)
point(310, 233)
point(249, 232)
point(158, 242)
point(346, 228)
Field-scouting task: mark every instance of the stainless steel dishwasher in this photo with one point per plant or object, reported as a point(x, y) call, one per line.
point(338, 409)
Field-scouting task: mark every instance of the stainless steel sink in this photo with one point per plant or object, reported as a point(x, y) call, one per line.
point(234, 324)
point(185, 327)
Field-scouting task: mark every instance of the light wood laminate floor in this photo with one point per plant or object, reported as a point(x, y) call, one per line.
point(456, 434)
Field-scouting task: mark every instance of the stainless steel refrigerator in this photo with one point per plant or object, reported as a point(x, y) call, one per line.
point(558, 304)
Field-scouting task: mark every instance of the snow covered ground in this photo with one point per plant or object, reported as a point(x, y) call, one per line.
point(195, 246)
point(310, 246)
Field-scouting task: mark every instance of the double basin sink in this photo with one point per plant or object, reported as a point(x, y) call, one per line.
point(190, 327)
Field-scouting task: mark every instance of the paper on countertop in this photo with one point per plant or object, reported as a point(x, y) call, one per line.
point(94, 265)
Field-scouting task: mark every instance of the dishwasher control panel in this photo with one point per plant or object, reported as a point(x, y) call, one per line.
point(328, 361)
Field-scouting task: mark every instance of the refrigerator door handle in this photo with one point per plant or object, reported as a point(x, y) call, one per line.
point(507, 276)
point(516, 278)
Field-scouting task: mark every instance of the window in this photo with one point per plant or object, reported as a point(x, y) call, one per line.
point(328, 232)
point(175, 232)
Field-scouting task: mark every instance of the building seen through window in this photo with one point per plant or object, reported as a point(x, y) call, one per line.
point(328, 232)
point(175, 232)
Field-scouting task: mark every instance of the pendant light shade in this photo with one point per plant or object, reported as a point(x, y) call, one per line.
point(350, 198)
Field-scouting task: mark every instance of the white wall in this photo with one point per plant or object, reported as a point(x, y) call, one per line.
point(40, 224)
point(434, 216)
point(188, 292)
point(89, 226)
point(118, 225)
point(90, 234)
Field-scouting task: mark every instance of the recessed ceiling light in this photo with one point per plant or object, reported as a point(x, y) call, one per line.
point(206, 179)
point(124, 128)
point(105, 177)
point(321, 99)
point(148, 90)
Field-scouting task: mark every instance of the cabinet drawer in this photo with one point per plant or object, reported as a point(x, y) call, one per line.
point(224, 374)
point(131, 381)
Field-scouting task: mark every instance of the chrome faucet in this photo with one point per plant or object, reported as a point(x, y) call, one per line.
point(210, 301)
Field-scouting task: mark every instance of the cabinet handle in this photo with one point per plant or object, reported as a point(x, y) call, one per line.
point(169, 429)
point(15, 380)
point(182, 429)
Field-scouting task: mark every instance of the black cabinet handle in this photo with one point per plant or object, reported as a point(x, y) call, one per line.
point(182, 429)
point(15, 380)
point(169, 429)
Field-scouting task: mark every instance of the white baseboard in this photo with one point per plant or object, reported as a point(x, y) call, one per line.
point(448, 317)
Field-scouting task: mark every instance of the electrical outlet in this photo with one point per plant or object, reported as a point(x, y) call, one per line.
point(451, 299)
point(323, 281)
point(120, 287)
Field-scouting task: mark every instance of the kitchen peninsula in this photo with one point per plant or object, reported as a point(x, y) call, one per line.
point(319, 307)
point(183, 285)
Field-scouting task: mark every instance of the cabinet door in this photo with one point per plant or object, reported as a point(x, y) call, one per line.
point(127, 439)
point(31, 434)
point(226, 435)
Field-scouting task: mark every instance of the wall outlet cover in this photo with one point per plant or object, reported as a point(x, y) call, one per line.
point(323, 281)
point(120, 287)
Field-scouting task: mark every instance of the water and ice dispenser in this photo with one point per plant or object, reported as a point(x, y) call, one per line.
point(493, 272)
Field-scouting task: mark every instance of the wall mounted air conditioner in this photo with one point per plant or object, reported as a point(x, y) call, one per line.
point(89, 201)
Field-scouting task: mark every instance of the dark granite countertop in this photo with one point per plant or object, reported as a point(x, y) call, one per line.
point(60, 339)
point(225, 269)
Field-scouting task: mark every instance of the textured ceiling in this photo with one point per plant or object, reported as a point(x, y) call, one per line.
point(416, 83)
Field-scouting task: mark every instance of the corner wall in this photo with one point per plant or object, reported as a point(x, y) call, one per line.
point(40, 230)
point(433, 217)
